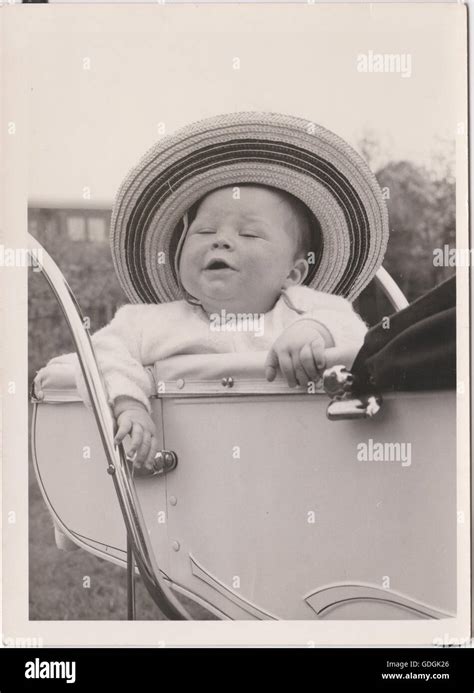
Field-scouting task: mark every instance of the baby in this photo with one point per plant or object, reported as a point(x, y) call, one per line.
point(239, 256)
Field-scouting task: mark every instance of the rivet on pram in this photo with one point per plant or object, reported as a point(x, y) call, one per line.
point(111, 469)
point(227, 382)
point(180, 383)
point(173, 500)
point(176, 546)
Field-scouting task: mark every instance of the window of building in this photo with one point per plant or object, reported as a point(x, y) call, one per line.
point(96, 229)
point(76, 228)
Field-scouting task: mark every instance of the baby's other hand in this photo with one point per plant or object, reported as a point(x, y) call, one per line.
point(299, 351)
point(134, 420)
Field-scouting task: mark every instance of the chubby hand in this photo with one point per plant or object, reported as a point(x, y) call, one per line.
point(299, 351)
point(134, 420)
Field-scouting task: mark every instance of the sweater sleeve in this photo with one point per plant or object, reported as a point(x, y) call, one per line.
point(118, 353)
point(336, 313)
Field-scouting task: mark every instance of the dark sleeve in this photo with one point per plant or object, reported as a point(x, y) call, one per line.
point(417, 351)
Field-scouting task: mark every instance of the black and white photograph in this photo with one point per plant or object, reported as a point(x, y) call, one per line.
point(243, 269)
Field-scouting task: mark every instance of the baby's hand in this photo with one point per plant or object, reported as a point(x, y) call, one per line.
point(134, 420)
point(299, 351)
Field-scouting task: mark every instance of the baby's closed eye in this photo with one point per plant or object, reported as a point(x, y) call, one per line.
point(203, 231)
point(252, 233)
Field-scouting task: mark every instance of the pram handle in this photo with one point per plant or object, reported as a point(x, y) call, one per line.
point(117, 465)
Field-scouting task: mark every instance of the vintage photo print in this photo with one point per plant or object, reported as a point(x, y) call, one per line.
point(236, 379)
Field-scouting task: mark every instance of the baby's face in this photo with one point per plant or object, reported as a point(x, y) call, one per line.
point(239, 253)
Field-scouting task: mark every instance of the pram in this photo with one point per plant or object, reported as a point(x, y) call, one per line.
point(256, 514)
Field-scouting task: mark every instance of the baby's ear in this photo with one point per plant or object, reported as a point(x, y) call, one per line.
point(297, 274)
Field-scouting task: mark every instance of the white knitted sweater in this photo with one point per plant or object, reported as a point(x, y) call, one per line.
point(140, 335)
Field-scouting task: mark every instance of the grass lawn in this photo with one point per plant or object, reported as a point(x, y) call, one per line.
point(56, 578)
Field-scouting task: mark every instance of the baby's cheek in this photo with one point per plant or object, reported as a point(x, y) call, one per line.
point(269, 271)
point(187, 273)
point(259, 266)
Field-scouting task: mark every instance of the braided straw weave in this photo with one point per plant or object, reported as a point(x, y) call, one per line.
point(283, 151)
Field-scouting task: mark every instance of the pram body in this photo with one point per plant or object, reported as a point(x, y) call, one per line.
point(273, 511)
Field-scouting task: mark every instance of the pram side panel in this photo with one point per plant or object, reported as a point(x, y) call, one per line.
point(276, 506)
point(71, 469)
point(273, 511)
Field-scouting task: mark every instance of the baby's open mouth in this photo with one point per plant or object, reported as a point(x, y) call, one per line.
point(218, 264)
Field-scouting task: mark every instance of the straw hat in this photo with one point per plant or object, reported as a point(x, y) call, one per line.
point(271, 149)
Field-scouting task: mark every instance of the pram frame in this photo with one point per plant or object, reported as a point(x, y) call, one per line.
point(138, 544)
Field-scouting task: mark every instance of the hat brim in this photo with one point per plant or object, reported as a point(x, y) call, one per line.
point(302, 158)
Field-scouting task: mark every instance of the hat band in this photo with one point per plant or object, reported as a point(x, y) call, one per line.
point(288, 156)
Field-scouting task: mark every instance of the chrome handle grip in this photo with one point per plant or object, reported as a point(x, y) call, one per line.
point(337, 381)
point(358, 408)
point(164, 462)
point(339, 386)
